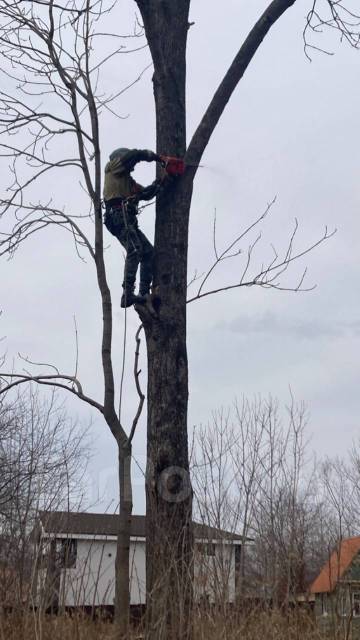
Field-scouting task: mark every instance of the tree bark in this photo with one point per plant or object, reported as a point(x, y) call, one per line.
point(168, 488)
point(122, 564)
point(169, 537)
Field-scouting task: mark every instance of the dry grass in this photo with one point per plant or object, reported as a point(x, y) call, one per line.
point(20, 627)
point(257, 625)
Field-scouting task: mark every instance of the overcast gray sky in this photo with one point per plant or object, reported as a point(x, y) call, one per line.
point(292, 131)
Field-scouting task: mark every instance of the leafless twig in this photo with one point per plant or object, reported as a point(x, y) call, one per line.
point(267, 276)
point(137, 372)
point(53, 380)
point(334, 15)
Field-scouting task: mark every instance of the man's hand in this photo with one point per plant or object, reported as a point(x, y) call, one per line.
point(150, 156)
point(159, 159)
point(154, 157)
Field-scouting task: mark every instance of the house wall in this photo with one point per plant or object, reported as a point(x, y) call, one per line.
point(215, 574)
point(91, 582)
point(353, 573)
point(335, 613)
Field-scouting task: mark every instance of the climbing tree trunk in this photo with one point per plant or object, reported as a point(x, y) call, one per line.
point(122, 564)
point(169, 495)
point(169, 553)
point(168, 489)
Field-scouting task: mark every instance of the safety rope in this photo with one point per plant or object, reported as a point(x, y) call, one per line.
point(124, 212)
point(149, 204)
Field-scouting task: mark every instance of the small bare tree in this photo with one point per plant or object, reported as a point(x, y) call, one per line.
point(42, 459)
point(252, 476)
point(49, 54)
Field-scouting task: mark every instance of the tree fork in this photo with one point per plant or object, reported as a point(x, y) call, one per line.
point(168, 489)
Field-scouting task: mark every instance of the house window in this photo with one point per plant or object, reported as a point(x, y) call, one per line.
point(356, 604)
point(238, 554)
point(67, 553)
point(207, 549)
point(324, 604)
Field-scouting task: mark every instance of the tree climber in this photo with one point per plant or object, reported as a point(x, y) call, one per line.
point(121, 196)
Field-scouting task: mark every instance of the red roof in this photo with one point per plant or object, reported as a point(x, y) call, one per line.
point(339, 561)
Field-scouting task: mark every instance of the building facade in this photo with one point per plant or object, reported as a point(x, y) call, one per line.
point(76, 561)
point(336, 591)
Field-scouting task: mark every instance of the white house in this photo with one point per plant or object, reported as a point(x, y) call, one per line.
point(76, 560)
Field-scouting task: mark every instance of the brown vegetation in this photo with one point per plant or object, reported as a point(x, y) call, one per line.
point(258, 624)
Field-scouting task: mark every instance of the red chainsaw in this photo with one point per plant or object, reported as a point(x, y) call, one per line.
point(173, 166)
point(176, 166)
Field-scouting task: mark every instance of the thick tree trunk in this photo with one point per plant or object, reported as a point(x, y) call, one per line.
point(168, 490)
point(122, 565)
point(169, 495)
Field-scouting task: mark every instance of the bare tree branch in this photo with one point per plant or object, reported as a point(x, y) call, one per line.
point(231, 79)
point(333, 15)
point(50, 380)
point(269, 275)
point(137, 372)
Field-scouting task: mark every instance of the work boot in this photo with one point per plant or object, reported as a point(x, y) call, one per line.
point(128, 299)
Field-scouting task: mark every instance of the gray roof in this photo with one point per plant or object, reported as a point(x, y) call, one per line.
point(106, 524)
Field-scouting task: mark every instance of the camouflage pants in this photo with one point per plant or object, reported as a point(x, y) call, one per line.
point(123, 225)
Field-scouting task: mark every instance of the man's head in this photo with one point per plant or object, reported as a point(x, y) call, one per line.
point(118, 153)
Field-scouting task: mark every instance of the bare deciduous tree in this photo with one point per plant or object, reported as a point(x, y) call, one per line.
point(48, 54)
point(43, 456)
point(166, 26)
point(52, 44)
point(251, 474)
